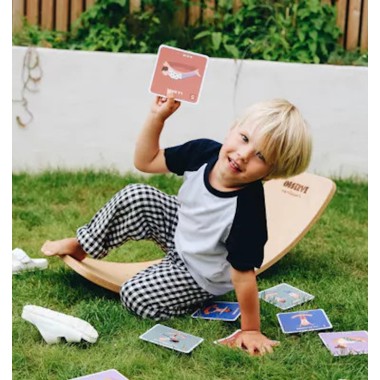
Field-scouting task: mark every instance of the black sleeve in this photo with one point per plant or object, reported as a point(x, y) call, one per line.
point(191, 155)
point(248, 235)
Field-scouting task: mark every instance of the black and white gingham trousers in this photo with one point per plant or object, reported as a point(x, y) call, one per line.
point(140, 212)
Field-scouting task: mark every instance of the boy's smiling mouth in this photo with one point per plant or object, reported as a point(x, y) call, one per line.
point(233, 165)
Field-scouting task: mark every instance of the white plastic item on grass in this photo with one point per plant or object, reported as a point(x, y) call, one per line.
point(21, 262)
point(54, 325)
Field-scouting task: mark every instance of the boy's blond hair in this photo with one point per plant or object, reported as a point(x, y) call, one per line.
point(281, 135)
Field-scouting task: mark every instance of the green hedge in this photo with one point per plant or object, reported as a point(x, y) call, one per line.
point(287, 30)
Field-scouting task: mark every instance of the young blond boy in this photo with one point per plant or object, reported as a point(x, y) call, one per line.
point(214, 231)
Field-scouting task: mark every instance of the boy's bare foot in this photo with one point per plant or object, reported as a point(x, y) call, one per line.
point(69, 246)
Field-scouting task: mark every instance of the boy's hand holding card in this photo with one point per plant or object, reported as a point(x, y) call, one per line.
point(180, 71)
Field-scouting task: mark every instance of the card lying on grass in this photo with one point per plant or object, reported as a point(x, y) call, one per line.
point(228, 339)
point(306, 320)
point(220, 310)
point(171, 338)
point(346, 343)
point(180, 71)
point(285, 296)
point(110, 374)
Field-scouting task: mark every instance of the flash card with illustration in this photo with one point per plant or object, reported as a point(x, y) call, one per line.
point(171, 338)
point(285, 296)
point(180, 71)
point(110, 374)
point(230, 339)
point(346, 342)
point(221, 310)
point(301, 321)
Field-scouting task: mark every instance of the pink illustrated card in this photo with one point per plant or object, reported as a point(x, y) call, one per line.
point(110, 374)
point(180, 71)
point(346, 343)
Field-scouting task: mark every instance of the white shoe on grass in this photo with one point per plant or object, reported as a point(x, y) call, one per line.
point(21, 262)
point(54, 325)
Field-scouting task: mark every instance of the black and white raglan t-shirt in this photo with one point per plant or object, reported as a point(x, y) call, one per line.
point(216, 230)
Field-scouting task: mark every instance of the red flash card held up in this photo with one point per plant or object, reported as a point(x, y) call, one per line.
point(180, 71)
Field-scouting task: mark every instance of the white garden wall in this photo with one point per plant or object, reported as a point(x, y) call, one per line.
point(89, 108)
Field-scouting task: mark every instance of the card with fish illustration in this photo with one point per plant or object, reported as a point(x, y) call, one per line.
point(346, 342)
point(171, 338)
point(305, 320)
point(219, 310)
point(110, 374)
point(180, 71)
point(285, 296)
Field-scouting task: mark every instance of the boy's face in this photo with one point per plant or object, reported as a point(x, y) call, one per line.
point(239, 161)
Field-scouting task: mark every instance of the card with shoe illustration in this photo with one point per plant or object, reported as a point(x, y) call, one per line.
point(285, 296)
point(171, 338)
point(305, 320)
point(179, 71)
point(110, 374)
point(219, 310)
point(346, 342)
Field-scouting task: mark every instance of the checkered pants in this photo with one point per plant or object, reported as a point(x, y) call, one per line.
point(141, 212)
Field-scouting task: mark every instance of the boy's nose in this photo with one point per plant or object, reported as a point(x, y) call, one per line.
point(245, 153)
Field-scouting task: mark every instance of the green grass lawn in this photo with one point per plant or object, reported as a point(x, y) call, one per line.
point(330, 263)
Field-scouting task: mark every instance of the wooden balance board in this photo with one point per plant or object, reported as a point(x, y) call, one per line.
point(293, 206)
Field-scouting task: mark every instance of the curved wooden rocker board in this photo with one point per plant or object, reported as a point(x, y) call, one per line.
point(293, 206)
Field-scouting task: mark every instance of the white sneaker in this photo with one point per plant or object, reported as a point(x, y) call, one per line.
point(54, 325)
point(21, 262)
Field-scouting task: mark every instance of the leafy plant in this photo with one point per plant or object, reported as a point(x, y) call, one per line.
point(32, 35)
point(291, 31)
point(102, 27)
point(287, 30)
point(343, 57)
point(110, 26)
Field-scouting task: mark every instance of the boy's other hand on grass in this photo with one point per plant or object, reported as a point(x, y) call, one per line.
point(253, 342)
point(164, 107)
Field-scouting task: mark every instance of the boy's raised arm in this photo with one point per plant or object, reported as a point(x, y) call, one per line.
point(149, 157)
point(250, 337)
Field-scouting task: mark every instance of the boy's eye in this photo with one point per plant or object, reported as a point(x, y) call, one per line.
point(244, 138)
point(261, 157)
